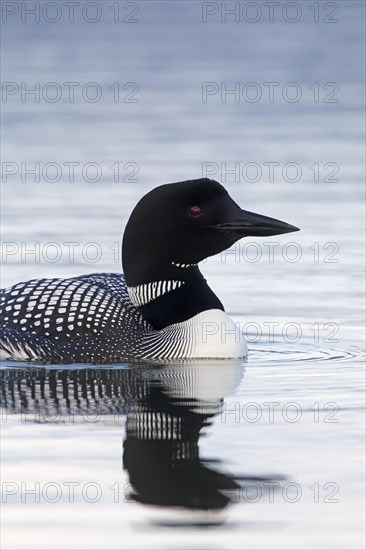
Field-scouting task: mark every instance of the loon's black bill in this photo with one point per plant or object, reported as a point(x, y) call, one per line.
point(254, 225)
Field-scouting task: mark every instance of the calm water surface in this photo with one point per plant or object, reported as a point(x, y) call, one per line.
point(261, 454)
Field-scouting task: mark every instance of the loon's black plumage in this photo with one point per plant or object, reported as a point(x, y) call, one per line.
point(159, 307)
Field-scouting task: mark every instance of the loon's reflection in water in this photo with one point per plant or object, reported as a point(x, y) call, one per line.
point(166, 408)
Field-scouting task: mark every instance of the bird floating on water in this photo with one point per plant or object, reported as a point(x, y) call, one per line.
point(161, 308)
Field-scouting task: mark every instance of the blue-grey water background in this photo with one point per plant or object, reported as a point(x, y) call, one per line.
point(164, 131)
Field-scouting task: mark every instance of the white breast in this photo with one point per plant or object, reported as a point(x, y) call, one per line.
point(216, 335)
point(210, 334)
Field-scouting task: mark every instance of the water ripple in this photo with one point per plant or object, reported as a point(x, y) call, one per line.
point(289, 353)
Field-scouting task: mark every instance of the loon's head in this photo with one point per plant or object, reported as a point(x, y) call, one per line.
point(183, 223)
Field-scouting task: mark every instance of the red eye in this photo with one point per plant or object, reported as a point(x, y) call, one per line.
point(195, 211)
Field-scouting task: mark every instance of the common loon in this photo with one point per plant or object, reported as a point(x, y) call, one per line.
point(162, 308)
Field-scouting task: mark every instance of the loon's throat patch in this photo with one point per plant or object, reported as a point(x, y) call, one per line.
point(143, 294)
point(184, 266)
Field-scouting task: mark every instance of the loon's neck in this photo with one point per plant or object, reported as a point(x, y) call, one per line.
point(171, 295)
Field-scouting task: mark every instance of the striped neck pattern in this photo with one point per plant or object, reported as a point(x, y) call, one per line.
point(145, 293)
